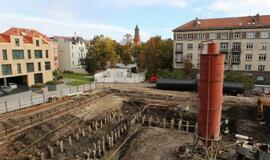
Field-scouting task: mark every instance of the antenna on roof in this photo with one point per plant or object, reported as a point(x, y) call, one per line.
point(250, 12)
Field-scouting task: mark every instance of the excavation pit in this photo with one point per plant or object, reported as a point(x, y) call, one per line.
point(124, 125)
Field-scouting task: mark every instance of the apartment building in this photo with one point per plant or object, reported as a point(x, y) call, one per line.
point(26, 57)
point(244, 41)
point(55, 56)
point(71, 53)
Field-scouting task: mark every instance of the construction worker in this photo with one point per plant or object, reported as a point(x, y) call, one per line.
point(225, 126)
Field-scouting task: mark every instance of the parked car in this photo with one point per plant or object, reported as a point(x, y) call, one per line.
point(13, 85)
point(2, 93)
point(153, 79)
point(6, 89)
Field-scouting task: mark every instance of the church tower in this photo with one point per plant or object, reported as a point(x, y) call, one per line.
point(137, 38)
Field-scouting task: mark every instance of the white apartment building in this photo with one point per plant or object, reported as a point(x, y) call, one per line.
point(244, 40)
point(71, 53)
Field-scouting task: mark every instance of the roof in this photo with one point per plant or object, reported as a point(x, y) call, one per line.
point(4, 38)
point(257, 21)
point(27, 34)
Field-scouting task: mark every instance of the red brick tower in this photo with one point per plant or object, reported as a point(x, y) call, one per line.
point(137, 38)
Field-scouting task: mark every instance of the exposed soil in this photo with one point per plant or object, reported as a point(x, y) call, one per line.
point(121, 104)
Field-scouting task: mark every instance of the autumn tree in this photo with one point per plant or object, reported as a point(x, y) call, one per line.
point(188, 67)
point(101, 54)
point(158, 54)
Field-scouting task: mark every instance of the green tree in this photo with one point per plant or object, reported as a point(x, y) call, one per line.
point(188, 67)
point(101, 54)
point(158, 54)
point(126, 55)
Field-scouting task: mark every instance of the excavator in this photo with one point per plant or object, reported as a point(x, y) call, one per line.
point(262, 102)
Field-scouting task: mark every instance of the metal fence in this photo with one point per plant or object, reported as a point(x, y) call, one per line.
point(25, 102)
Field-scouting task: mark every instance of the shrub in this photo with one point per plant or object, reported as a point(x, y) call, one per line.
point(176, 74)
point(247, 80)
point(54, 82)
point(38, 86)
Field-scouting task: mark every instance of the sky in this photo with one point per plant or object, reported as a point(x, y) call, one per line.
point(115, 18)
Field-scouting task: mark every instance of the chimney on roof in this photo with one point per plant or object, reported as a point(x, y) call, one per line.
point(75, 35)
point(256, 18)
point(197, 22)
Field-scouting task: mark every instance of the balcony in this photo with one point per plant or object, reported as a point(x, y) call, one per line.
point(224, 50)
point(236, 50)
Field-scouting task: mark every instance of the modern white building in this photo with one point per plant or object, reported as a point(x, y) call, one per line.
point(71, 52)
point(243, 40)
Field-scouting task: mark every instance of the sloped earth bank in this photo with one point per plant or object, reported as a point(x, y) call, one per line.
point(117, 115)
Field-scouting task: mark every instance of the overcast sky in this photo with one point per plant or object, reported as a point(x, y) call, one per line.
point(114, 18)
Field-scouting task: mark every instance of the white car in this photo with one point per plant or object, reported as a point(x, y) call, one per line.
point(13, 85)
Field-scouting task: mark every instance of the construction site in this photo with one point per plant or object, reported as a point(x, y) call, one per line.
point(137, 121)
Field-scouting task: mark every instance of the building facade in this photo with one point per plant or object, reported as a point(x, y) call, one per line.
point(55, 56)
point(244, 41)
point(71, 53)
point(26, 57)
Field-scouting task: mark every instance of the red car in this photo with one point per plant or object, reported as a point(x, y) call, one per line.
point(153, 79)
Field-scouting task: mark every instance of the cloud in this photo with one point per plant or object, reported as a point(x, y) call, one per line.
point(241, 7)
point(66, 28)
point(147, 3)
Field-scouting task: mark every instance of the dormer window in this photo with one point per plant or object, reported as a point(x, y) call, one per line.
point(37, 43)
point(17, 41)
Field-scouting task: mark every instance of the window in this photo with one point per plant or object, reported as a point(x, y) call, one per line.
point(224, 46)
point(190, 36)
point(200, 46)
point(260, 78)
point(263, 46)
point(189, 56)
point(37, 43)
point(212, 36)
point(17, 41)
point(39, 66)
point(48, 65)
point(17, 54)
point(262, 57)
point(236, 58)
point(264, 35)
point(179, 57)
point(261, 67)
point(236, 47)
point(179, 37)
point(201, 36)
point(249, 46)
point(19, 69)
point(248, 67)
point(47, 54)
point(4, 52)
point(38, 53)
point(250, 35)
point(179, 47)
point(190, 46)
point(29, 54)
point(6, 69)
point(237, 35)
point(30, 67)
point(224, 35)
point(249, 57)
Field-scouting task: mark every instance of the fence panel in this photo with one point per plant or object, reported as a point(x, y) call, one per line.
point(8, 106)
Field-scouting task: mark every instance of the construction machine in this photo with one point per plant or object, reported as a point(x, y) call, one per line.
point(262, 102)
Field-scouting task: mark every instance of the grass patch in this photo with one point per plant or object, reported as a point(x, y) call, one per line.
point(77, 83)
point(78, 76)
